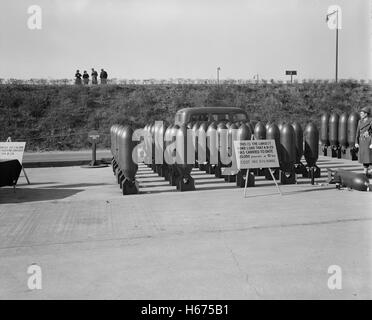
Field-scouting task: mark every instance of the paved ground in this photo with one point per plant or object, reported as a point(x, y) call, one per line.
point(92, 242)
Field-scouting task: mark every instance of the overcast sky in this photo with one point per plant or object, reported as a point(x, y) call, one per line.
point(141, 39)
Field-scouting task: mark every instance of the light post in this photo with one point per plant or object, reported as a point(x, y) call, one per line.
point(218, 75)
point(337, 26)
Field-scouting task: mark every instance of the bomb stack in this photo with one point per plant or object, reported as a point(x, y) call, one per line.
point(337, 135)
point(172, 151)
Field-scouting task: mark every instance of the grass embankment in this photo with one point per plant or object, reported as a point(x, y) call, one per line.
point(58, 117)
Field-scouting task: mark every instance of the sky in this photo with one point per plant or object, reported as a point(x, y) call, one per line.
point(162, 39)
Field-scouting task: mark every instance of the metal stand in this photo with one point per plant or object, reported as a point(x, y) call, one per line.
point(24, 172)
point(272, 176)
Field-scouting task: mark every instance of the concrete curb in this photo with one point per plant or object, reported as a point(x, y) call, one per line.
point(62, 163)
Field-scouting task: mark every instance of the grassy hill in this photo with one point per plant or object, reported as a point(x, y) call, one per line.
point(58, 117)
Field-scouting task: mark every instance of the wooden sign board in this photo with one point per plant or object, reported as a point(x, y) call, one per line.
point(93, 135)
point(251, 154)
point(291, 72)
point(12, 150)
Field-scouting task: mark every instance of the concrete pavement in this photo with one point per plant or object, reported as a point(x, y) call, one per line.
point(91, 242)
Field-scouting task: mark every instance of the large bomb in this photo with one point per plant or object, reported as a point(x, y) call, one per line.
point(299, 144)
point(245, 132)
point(152, 132)
point(118, 142)
point(202, 146)
point(113, 136)
point(288, 154)
point(260, 134)
point(171, 159)
point(311, 151)
point(184, 161)
point(222, 137)
point(324, 139)
point(273, 133)
point(260, 131)
point(352, 124)
point(333, 135)
point(159, 148)
point(128, 168)
point(212, 148)
point(342, 132)
point(167, 152)
point(232, 136)
point(195, 131)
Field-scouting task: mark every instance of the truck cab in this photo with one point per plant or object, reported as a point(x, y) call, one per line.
point(186, 115)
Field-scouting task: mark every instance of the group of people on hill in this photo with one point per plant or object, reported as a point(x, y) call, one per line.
point(85, 76)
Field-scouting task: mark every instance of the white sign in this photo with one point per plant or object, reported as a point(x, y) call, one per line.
point(93, 135)
point(12, 150)
point(252, 154)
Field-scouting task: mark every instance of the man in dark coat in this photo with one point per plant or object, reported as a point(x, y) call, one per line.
point(103, 76)
point(94, 76)
point(77, 77)
point(86, 77)
point(364, 139)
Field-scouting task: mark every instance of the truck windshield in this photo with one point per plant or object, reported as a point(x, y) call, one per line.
point(220, 116)
point(199, 117)
point(239, 117)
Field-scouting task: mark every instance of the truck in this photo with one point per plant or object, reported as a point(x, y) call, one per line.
point(231, 114)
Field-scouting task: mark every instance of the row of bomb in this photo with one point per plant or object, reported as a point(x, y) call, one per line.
point(209, 146)
point(338, 133)
point(123, 164)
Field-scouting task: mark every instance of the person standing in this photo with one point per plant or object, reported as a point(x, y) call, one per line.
point(364, 139)
point(103, 76)
point(77, 77)
point(94, 76)
point(85, 77)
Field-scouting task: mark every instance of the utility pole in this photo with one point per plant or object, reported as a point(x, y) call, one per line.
point(337, 27)
point(218, 75)
point(336, 45)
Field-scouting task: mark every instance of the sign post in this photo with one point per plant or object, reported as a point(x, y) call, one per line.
point(291, 73)
point(251, 154)
point(93, 138)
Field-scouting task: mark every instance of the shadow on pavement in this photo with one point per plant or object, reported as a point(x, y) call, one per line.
point(7, 195)
point(78, 185)
point(35, 183)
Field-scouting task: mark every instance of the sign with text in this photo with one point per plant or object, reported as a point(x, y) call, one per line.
point(252, 154)
point(93, 135)
point(12, 150)
point(291, 72)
